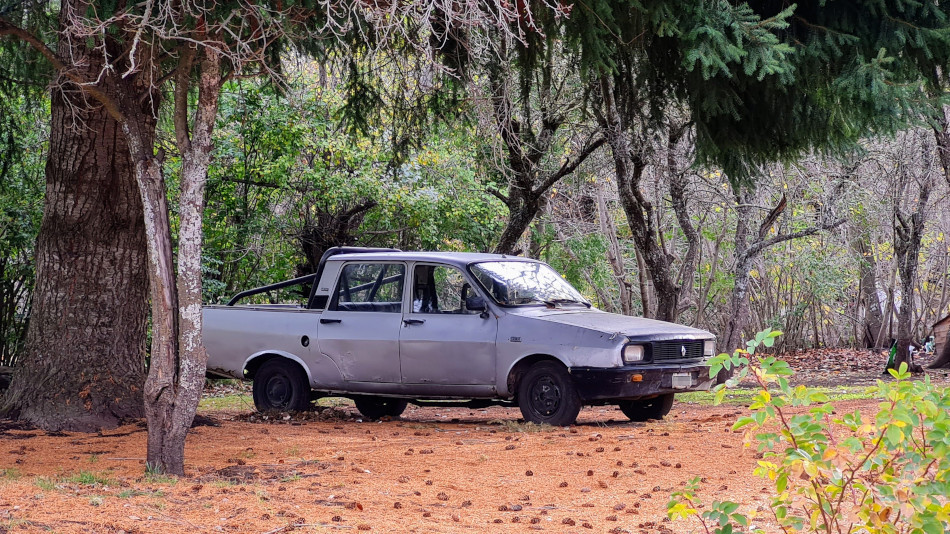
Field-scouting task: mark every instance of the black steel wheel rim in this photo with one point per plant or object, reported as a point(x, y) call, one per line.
point(278, 391)
point(545, 396)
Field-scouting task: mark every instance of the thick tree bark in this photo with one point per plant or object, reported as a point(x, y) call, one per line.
point(678, 198)
point(84, 363)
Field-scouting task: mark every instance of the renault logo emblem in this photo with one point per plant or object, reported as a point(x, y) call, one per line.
point(683, 350)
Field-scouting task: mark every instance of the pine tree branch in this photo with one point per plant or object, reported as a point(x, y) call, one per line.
point(6, 28)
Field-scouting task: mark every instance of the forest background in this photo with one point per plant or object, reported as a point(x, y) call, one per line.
point(733, 166)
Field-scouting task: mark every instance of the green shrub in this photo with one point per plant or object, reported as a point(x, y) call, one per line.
point(837, 473)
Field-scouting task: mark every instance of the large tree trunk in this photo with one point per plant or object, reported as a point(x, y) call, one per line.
point(84, 363)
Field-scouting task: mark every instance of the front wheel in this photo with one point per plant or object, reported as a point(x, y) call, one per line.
point(642, 410)
point(282, 385)
point(546, 395)
point(378, 407)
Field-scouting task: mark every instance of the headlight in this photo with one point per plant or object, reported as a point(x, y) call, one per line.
point(709, 347)
point(633, 353)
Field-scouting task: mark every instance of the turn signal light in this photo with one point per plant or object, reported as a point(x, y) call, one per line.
point(636, 378)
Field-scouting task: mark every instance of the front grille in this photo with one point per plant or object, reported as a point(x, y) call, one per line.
point(673, 350)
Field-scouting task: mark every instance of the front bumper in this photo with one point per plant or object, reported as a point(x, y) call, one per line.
point(597, 383)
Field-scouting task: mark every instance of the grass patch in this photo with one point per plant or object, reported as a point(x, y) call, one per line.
point(227, 402)
point(160, 478)
point(11, 474)
point(244, 402)
point(45, 483)
point(88, 478)
point(334, 402)
point(744, 396)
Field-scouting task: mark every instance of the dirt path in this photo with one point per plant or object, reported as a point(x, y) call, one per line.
point(434, 470)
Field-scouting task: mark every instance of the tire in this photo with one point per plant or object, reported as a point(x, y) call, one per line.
point(281, 385)
point(642, 410)
point(547, 395)
point(374, 408)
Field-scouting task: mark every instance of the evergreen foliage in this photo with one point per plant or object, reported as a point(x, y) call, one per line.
point(766, 80)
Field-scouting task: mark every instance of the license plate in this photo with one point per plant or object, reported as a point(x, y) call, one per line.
point(682, 380)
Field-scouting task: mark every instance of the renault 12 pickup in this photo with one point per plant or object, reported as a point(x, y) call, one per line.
point(386, 327)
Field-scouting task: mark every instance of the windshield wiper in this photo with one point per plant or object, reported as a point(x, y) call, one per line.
point(569, 301)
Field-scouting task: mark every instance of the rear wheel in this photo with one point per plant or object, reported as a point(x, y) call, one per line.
point(379, 407)
point(642, 410)
point(281, 384)
point(546, 395)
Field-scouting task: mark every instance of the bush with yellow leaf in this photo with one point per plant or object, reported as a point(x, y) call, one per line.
point(836, 473)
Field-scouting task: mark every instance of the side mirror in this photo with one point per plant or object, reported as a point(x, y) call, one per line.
point(476, 304)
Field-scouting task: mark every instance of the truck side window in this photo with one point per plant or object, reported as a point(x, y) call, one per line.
point(370, 287)
point(439, 289)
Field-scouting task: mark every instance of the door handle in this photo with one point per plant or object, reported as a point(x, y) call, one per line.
point(330, 321)
point(413, 321)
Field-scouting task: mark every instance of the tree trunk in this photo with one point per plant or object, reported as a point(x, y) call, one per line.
point(614, 253)
point(84, 362)
point(629, 167)
point(873, 318)
point(521, 215)
point(942, 137)
point(908, 232)
point(176, 377)
point(678, 198)
point(943, 359)
point(738, 312)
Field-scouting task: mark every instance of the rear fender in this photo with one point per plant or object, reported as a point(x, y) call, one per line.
point(254, 361)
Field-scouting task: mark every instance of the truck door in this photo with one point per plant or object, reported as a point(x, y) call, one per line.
point(441, 342)
point(359, 330)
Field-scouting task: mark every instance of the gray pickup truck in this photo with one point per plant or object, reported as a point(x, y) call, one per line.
point(386, 327)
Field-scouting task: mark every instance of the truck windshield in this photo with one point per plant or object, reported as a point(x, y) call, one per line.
point(515, 283)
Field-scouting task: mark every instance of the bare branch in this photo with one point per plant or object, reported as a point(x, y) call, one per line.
point(761, 245)
point(498, 194)
point(570, 166)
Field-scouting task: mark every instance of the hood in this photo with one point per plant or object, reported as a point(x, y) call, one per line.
point(635, 328)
